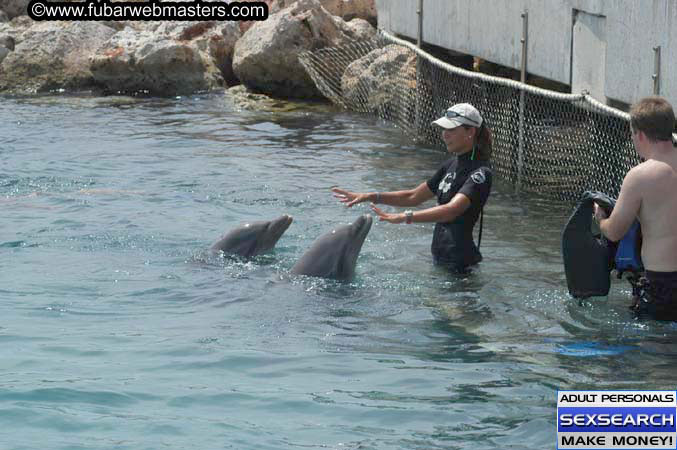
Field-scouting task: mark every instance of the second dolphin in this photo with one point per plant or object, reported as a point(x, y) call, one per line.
point(334, 254)
point(253, 238)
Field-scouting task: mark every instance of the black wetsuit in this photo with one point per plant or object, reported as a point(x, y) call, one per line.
point(657, 296)
point(453, 244)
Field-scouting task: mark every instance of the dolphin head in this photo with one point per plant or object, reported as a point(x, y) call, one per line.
point(334, 254)
point(359, 231)
point(356, 234)
point(349, 240)
point(272, 232)
point(253, 238)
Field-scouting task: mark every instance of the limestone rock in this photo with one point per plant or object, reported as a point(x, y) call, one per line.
point(272, 8)
point(6, 46)
point(361, 30)
point(7, 41)
point(140, 62)
point(352, 9)
point(14, 8)
point(266, 56)
point(51, 56)
point(16, 27)
point(215, 39)
point(242, 98)
point(345, 9)
point(380, 79)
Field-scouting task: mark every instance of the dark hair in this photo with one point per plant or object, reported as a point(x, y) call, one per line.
point(483, 142)
point(654, 117)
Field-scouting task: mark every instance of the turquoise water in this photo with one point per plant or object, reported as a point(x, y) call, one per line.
point(117, 331)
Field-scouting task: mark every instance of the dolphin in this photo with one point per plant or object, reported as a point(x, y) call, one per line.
point(252, 238)
point(334, 254)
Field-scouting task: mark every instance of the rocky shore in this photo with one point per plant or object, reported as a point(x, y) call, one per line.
point(176, 57)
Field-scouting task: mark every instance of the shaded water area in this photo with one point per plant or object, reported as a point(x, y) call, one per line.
point(117, 331)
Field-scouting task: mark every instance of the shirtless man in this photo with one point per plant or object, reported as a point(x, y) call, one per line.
point(649, 193)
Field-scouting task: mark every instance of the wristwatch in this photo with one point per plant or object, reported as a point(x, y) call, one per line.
point(408, 216)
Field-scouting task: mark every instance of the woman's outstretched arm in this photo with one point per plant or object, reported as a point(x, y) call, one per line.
point(411, 197)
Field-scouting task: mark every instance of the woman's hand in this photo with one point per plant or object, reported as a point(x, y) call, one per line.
point(384, 216)
point(349, 198)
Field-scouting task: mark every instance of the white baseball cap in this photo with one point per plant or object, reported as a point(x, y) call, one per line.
point(460, 114)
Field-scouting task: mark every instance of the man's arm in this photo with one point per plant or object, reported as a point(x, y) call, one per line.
point(626, 210)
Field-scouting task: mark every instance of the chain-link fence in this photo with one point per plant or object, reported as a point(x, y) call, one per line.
point(555, 144)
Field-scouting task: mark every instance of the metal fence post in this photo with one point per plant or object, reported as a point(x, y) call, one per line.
point(523, 79)
point(419, 11)
point(419, 129)
point(525, 33)
point(656, 70)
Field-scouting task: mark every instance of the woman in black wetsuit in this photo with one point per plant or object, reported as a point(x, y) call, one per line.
point(462, 186)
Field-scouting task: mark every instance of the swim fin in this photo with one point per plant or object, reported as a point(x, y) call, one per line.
point(588, 258)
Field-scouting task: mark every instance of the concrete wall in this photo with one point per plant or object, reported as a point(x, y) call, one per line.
point(624, 31)
point(588, 56)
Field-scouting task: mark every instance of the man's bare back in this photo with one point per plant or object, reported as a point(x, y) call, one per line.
point(657, 183)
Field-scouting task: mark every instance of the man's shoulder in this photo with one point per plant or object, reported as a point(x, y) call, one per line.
point(650, 170)
point(648, 178)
